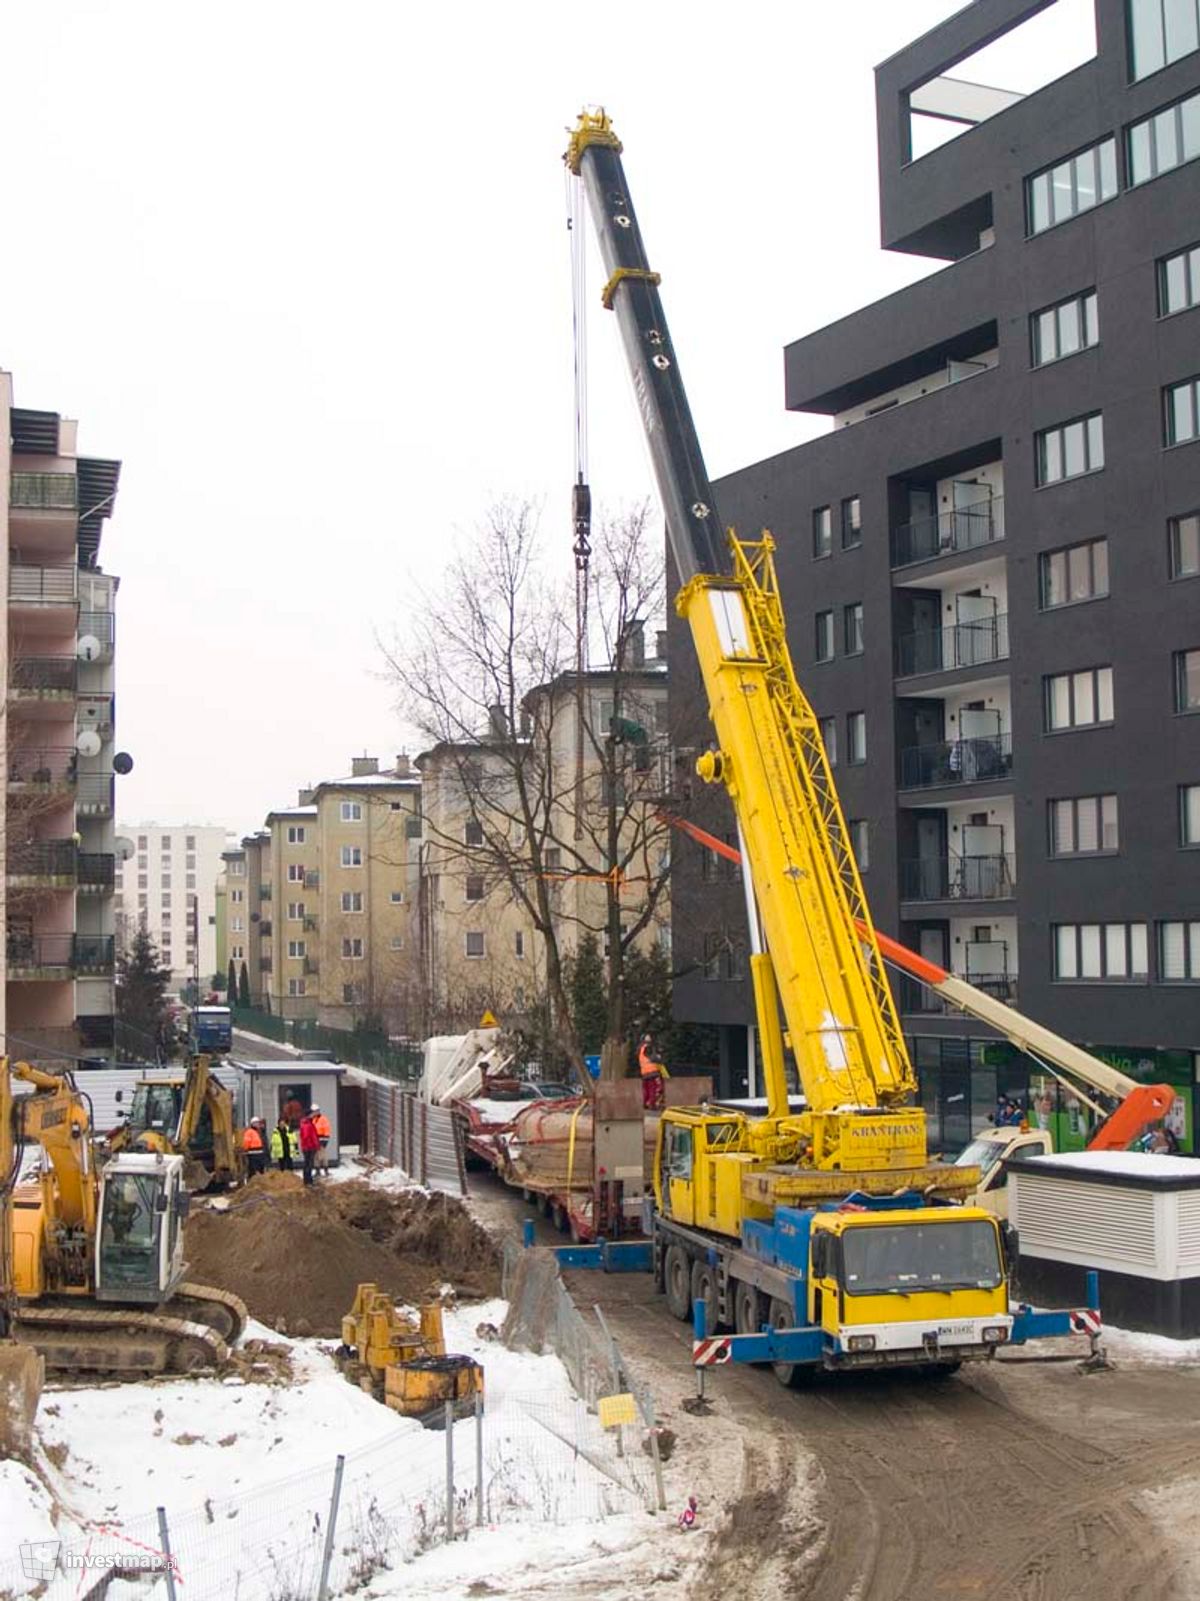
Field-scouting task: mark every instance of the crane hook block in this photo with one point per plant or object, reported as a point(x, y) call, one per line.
point(711, 766)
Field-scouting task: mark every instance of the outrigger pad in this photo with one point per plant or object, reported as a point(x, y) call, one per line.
point(22, 1374)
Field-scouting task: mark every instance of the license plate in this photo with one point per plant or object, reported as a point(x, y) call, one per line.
point(954, 1331)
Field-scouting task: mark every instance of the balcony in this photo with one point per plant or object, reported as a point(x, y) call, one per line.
point(43, 586)
point(944, 650)
point(311, 965)
point(948, 533)
point(43, 492)
point(958, 878)
point(310, 925)
point(34, 678)
point(264, 964)
point(312, 880)
point(59, 956)
point(265, 928)
point(264, 892)
point(914, 997)
point(94, 871)
point(42, 864)
point(956, 761)
point(94, 794)
point(42, 768)
point(100, 626)
point(93, 955)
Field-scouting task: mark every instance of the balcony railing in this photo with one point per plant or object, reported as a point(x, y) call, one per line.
point(265, 928)
point(43, 585)
point(43, 491)
point(95, 869)
point(43, 766)
point(94, 794)
point(43, 675)
point(93, 954)
point(100, 625)
point(311, 964)
point(956, 761)
point(913, 996)
point(958, 878)
point(312, 880)
point(948, 532)
point(310, 925)
point(264, 964)
point(264, 892)
point(58, 955)
point(942, 650)
point(46, 860)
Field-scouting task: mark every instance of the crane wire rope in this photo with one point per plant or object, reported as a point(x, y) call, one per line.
point(581, 496)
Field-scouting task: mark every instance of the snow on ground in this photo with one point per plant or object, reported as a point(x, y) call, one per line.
point(1152, 1349)
point(390, 1179)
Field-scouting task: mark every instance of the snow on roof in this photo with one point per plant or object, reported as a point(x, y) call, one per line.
point(293, 811)
point(372, 781)
point(1126, 1164)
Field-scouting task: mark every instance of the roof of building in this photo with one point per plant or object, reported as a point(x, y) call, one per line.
point(291, 811)
point(372, 781)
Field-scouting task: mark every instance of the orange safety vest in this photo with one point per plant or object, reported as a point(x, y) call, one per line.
point(252, 1140)
point(321, 1124)
point(650, 1068)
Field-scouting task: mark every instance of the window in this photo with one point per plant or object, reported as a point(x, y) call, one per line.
point(190, 842)
point(143, 861)
point(166, 899)
point(1084, 825)
point(1074, 185)
point(297, 949)
point(1089, 952)
point(1179, 953)
point(1166, 140)
point(1065, 328)
point(519, 945)
point(1070, 450)
point(165, 919)
point(851, 522)
point(474, 944)
point(352, 950)
point(1074, 574)
point(852, 628)
point(352, 856)
point(352, 900)
point(237, 952)
point(397, 897)
point(473, 889)
point(190, 881)
point(237, 869)
point(295, 911)
point(1160, 31)
point(1179, 281)
point(190, 863)
point(350, 994)
point(295, 873)
point(822, 532)
point(237, 926)
point(397, 942)
point(165, 881)
point(829, 738)
point(143, 881)
point(143, 900)
point(1079, 700)
point(1183, 537)
point(1189, 814)
point(1187, 680)
point(295, 836)
point(824, 636)
point(142, 842)
point(165, 843)
point(352, 811)
point(473, 833)
point(297, 986)
point(856, 737)
point(1181, 411)
point(724, 958)
point(859, 831)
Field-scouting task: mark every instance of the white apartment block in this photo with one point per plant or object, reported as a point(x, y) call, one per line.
point(167, 884)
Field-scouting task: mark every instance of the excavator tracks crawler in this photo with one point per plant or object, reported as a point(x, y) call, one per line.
point(117, 1343)
point(222, 1311)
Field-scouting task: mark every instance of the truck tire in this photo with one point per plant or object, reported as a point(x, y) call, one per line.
point(749, 1309)
point(677, 1282)
point(790, 1374)
point(704, 1288)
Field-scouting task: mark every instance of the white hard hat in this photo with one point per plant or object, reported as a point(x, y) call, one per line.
point(314, 1108)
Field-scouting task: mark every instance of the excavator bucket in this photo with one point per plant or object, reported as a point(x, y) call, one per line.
point(22, 1372)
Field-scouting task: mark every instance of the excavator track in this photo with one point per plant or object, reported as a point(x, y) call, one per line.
point(223, 1312)
point(118, 1343)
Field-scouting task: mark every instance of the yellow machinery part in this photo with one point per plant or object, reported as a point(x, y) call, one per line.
point(421, 1388)
point(381, 1336)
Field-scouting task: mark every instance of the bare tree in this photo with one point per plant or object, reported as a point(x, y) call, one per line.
point(542, 781)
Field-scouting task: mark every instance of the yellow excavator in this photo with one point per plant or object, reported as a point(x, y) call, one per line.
point(188, 1115)
point(92, 1274)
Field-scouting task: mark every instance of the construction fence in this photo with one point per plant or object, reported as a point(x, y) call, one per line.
point(426, 1142)
point(401, 1063)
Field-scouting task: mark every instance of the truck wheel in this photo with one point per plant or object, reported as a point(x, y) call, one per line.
point(704, 1288)
point(748, 1310)
point(677, 1282)
point(789, 1374)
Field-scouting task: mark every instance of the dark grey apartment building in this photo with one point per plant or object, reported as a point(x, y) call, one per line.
point(991, 568)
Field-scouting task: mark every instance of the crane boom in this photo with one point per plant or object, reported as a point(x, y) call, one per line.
point(841, 1021)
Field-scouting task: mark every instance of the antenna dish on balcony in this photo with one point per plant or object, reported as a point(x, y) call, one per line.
point(88, 742)
point(123, 846)
point(87, 648)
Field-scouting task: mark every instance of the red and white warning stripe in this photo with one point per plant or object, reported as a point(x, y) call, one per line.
point(1086, 1321)
point(708, 1353)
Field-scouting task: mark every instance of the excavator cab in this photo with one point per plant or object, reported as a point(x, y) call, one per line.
point(156, 1107)
point(139, 1241)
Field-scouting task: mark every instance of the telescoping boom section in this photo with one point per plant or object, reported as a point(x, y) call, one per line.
point(806, 904)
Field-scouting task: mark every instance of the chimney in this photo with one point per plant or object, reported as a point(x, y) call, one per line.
point(403, 765)
point(660, 644)
point(637, 644)
point(497, 724)
point(305, 797)
point(364, 766)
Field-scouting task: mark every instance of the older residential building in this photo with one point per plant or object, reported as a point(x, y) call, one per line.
point(57, 737)
point(166, 884)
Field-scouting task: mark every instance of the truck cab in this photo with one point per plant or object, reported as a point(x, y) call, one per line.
point(990, 1150)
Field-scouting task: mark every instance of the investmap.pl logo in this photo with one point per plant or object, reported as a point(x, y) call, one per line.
point(43, 1559)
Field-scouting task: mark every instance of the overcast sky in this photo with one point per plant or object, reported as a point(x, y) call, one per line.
point(304, 270)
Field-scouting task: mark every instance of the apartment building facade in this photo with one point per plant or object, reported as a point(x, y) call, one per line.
point(990, 564)
point(58, 735)
point(167, 884)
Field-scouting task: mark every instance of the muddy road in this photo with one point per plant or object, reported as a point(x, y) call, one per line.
point(1018, 1481)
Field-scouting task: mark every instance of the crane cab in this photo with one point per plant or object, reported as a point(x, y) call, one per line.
point(139, 1238)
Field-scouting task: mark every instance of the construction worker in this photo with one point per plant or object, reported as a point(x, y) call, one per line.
point(310, 1144)
point(325, 1134)
point(282, 1145)
point(255, 1146)
point(653, 1075)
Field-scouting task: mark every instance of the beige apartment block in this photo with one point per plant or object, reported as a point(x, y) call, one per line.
point(288, 956)
point(255, 866)
point(57, 738)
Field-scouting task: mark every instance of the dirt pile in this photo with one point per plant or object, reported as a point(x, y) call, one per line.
point(296, 1255)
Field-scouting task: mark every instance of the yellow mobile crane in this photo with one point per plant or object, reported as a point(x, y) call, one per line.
point(818, 1224)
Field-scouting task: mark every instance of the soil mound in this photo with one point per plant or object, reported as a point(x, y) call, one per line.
point(296, 1255)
